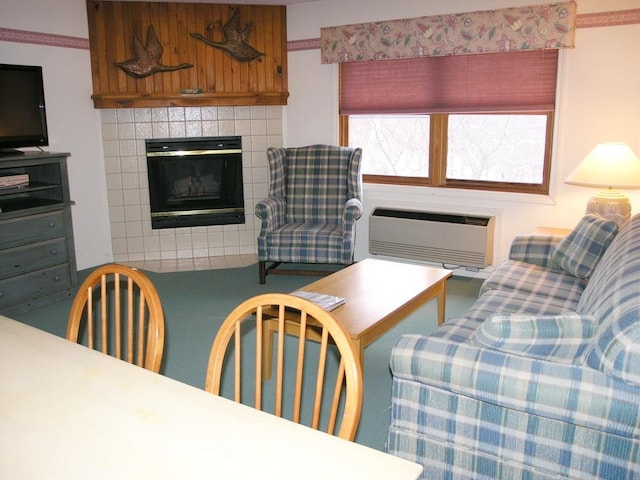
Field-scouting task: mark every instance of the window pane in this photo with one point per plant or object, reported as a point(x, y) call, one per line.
point(392, 144)
point(496, 148)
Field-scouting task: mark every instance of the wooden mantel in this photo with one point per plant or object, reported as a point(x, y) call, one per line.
point(204, 75)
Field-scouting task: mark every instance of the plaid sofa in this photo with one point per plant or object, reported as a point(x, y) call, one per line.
point(541, 377)
point(313, 204)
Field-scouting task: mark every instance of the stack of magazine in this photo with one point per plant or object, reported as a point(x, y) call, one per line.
point(328, 302)
point(14, 180)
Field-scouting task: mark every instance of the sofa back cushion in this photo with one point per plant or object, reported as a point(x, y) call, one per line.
point(580, 251)
point(612, 296)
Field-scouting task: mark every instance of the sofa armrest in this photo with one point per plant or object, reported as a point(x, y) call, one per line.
point(352, 210)
point(535, 249)
point(271, 211)
point(570, 393)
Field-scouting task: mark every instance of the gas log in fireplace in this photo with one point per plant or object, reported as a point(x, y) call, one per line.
point(195, 181)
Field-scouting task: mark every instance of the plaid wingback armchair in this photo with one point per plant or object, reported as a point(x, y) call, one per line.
point(314, 202)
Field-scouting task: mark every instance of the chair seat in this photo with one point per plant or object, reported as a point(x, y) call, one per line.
point(306, 242)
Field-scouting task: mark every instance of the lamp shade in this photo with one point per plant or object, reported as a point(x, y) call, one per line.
point(609, 165)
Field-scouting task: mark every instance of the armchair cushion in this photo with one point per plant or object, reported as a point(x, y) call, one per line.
point(561, 338)
point(580, 251)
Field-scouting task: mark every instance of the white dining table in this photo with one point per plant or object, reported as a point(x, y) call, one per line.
point(68, 412)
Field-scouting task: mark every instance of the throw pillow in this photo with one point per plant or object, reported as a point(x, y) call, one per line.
point(616, 351)
point(561, 338)
point(580, 251)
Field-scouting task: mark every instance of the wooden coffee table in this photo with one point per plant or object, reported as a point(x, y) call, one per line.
point(379, 294)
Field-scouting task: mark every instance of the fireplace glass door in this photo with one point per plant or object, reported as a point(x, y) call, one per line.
point(195, 181)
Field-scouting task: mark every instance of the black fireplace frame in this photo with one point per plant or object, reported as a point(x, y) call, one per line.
point(223, 206)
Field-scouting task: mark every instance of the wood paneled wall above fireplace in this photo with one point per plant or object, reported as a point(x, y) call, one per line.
point(153, 54)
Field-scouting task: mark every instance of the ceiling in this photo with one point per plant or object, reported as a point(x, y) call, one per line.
point(247, 2)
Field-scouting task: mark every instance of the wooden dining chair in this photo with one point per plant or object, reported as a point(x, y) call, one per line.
point(328, 370)
point(117, 310)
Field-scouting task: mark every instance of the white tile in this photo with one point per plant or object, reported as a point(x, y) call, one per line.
point(114, 181)
point(130, 180)
point(131, 197)
point(109, 131)
point(177, 129)
point(108, 115)
point(144, 130)
point(258, 127)
point(129, 164)
point(210, 128)
point(118, 230)
point(194, 129)
point(116, 213)
point(226, 127)
point(242, 113)
point(124, 115)
point(111, 148)
point(160, 129)
point(176, 114)
point(134, 229)
point(128, 148)
point(159, 115)
point(226, 113)
point(209, 113)
point(132, 213)
point(141, 115)
point(192, 113)
point(126, 131)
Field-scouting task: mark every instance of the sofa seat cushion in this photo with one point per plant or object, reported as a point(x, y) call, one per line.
point(514, 275)
point(561, 338)
point(580, 251)
point(511, 301)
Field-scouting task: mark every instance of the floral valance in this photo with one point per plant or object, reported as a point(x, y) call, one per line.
point(520, 28)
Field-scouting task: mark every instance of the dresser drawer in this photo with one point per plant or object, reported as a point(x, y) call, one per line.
point(18, 231)
point(34, 256)
point(24, 288)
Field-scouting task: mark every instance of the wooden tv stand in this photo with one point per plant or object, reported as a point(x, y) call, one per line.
point(37, 257)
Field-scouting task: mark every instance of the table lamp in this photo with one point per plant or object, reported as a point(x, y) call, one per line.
point(610, 166)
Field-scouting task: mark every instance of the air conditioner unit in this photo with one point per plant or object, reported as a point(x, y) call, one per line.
point(446, 238)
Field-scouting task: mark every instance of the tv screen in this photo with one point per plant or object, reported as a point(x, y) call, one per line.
point(23, 120)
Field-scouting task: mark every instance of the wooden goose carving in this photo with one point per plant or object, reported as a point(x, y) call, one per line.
point(147, 58)
point(234, 40)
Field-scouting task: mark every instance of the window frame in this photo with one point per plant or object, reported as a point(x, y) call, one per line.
point(437, 157)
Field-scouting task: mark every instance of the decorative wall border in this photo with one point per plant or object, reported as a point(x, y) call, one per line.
point(585, 20)
point(38, 38)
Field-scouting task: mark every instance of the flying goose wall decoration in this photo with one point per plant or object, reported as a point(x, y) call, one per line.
point(146, 60)
point(234, 40)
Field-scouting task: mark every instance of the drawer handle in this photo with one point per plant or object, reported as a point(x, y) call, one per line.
point(57, 278)
point(52, 224)
point(1, 294)
point(54, 251)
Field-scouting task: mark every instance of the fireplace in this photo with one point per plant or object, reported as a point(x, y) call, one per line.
point(195, 181)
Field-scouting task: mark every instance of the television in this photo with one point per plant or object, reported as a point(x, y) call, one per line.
point(23, 119)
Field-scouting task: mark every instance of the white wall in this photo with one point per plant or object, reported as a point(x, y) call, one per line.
point(598, 100)
point(73, 123)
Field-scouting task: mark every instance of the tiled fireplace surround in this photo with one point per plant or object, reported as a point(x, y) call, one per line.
point(134, 241)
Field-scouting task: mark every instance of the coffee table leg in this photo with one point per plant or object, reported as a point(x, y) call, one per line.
point(440, 300)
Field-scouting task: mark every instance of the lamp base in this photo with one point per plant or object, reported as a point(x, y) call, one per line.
point(611, 205)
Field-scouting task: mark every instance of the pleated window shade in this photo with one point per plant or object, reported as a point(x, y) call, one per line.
point(523, 81)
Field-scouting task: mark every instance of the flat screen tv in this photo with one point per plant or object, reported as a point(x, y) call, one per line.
point(23, 119)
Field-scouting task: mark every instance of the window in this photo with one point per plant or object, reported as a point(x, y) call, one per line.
point(475, 121)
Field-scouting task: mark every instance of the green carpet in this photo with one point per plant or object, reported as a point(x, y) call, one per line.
point(195, 304)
